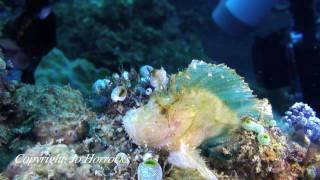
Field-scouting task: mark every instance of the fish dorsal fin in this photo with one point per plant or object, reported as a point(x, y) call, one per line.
point(224, 83)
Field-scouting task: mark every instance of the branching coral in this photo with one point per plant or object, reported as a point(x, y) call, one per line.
point(201, 102)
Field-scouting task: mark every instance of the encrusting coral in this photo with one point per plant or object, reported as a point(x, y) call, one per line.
point(201, 102)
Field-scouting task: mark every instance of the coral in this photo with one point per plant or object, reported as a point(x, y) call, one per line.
point(206, 118)
point(300, 116)
point(118, 34)
point(242, 156)
point(55, 112)
point(119, 88)
point(11, 143)
point(78, 73)
point(149, 169)
point(188, 174)
point(203, 101)
point(24, 167)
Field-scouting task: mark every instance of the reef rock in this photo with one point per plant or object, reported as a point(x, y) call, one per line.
point(52, 162)
point(56, 113)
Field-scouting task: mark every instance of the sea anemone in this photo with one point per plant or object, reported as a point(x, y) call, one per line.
point(195, 107)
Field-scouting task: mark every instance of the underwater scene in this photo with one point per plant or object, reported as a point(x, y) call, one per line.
point(159, 89)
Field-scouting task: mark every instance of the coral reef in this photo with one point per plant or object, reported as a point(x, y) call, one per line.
point(10, 143)
point(31, 114)
point(56, 112)
point(58, 118)
point(118, 33)
point(78, 73)
point(203, 122)
point(241, 155)
point(31, 166)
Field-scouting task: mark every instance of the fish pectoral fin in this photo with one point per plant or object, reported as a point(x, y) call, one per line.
point(188, 157)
